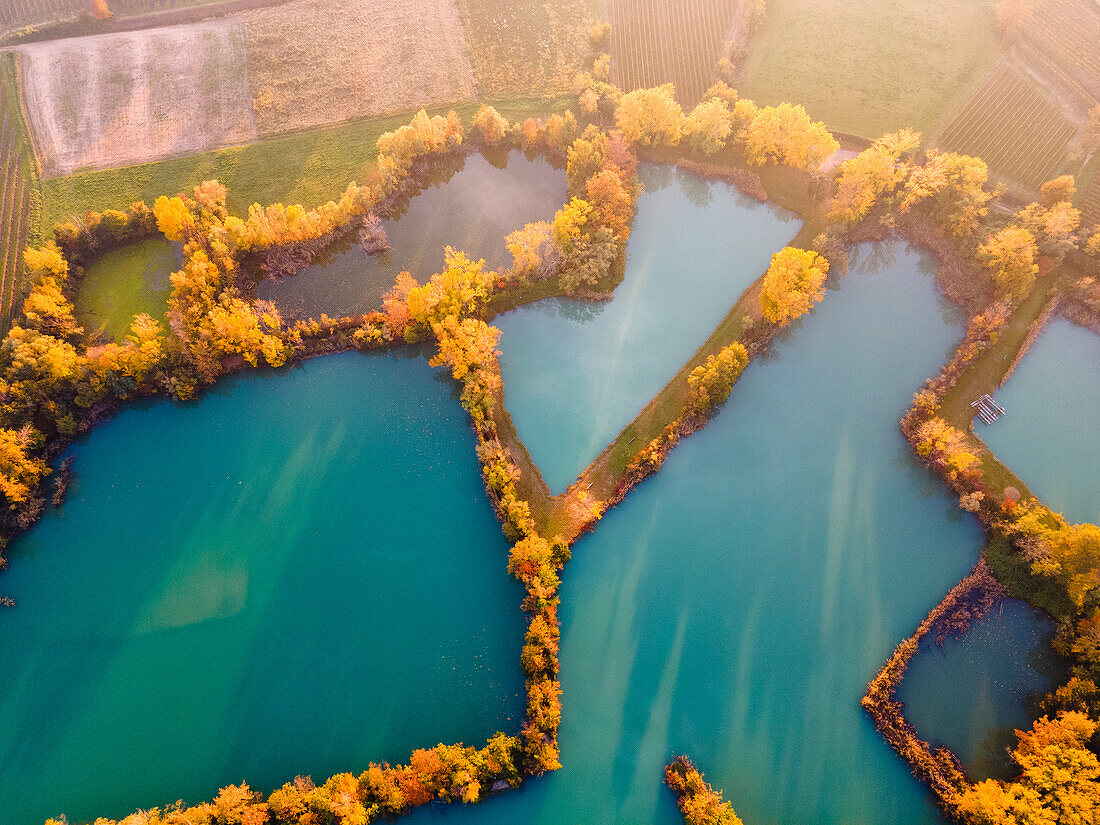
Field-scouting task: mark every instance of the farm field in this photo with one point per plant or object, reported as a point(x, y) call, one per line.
point(660, 41)
point(1088, 196)
point(866, 67)
point(114, 99)
point(1013, 126)
point(318, 62)
point(309, 167)
point(1067, 32)
point(525, 47)
point(15, 14)
point(19, 202)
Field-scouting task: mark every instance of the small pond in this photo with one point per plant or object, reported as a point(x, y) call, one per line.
point(735, 606)
point(1049, 436)
point(973, 692)
point(575, 373)
point(297, 574)
point(472, 207)
point(125, 282)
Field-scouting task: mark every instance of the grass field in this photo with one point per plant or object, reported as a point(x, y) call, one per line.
point(309, 167)
point(19, 198)
point(115, 99)
point(1014, 127)
point(866, 67)
point(317, 62)
point(527, 47)
point(662, 41)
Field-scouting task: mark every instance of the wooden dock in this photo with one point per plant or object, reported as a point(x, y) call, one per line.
point(987, 409)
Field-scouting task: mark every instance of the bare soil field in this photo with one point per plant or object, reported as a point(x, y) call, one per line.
point(117, 99)
point(669, 41)
point(1014, 127)
point(524, 48)
point(318, 62)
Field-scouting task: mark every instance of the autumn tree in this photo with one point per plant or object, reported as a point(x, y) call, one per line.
point(710, 383)
point(174, 218)
point(1010, 256)
point(1057, 781)
point(585, 158)
point(588, 249)
point(20, 469)
point(612, 202)
point(459, 289)
point(534, 255)
point(1054, 227)
point(490, 124)
point(46, 307)
point(708, 126)
point(785, 134)
point(464, 345)
point(950, 189)
point(794, 282)
point(873, 175)
point(100, 10)
point(1059, 189)
point(651, 117)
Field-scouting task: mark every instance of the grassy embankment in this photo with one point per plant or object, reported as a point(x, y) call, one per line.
point(866, 67)
point(308, 167)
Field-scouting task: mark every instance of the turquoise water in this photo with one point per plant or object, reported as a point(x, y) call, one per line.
point(974, 691)
point(472, 206)
point(695, 246)
point(296, 575)
point(735, 606)
point(1048, 437)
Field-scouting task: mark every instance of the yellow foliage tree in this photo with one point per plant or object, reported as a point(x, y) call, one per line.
point(785, 134)
point(174, 218)
point(708, 126)
point(1010, 255)
point(794, 282)
point(20, 471)
point(651, 117)
point(464, 345)
point(873, 174)
point(1057, 784)
point(491, 124)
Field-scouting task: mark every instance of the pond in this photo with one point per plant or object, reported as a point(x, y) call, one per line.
point(471, 207)
point(1048, 437)
point(125, 282)
point(295, 575)
point(576, 373)
point(735, 606)
point(973, 692)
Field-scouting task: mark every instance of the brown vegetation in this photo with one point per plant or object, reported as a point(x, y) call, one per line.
point(324, 61)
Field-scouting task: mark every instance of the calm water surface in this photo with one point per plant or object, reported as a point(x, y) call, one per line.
point(973, 692)
point(471, 207)
point(695, 246)
point(736, 605)
point(296, 575)
point(1048, 438)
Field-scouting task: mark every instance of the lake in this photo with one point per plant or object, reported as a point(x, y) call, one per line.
point(1048, 436)
point(974, 691)
point(297, 574)
point(471, 206)
point(576, 373)
point(735, 606)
